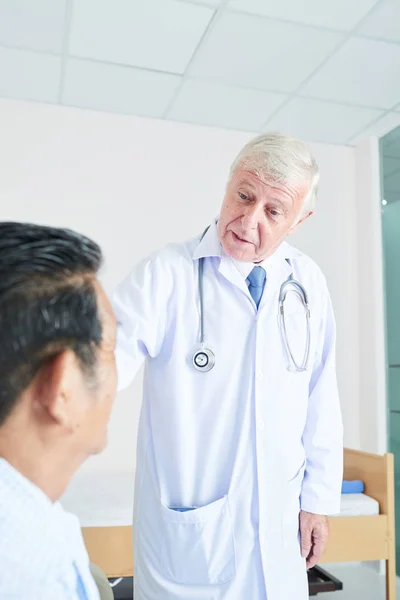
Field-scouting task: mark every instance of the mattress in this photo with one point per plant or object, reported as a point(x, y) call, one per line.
point(358, 505)
point(106, 499)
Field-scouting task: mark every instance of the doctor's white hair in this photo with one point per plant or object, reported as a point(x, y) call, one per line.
point(282, 159)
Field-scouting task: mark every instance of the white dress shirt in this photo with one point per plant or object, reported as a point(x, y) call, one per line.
point(245, 268)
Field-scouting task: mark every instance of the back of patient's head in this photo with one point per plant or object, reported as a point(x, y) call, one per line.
point(48, 304)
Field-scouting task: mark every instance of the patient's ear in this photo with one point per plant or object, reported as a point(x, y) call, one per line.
point(58, 394)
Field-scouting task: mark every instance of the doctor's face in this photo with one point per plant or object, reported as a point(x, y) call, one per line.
point(257, 216)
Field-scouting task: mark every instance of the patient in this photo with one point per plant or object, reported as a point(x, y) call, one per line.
point(57, 386)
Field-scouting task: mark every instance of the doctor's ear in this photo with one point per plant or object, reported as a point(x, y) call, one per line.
point(298, 223)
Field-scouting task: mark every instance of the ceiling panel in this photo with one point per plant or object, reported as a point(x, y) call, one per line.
point(156, 34)
point(242, 71)
point(378, 128)
point(225, 106)
point(37, 24)
point(321, 121)
point(118, 89)
point(384, 22)
point(336, 14)
point(261, 54)
point(361, 72)
point(29, 75)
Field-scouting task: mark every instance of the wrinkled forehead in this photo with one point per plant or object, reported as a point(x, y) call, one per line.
point(264, 183)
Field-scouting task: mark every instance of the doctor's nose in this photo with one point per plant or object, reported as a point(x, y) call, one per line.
point(251, 217)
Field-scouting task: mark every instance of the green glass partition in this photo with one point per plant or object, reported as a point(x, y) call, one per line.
point(390, 170)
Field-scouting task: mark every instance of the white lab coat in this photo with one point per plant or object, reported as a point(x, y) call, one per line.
point(247, 443)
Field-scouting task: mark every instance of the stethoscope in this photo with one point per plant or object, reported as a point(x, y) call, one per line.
point(204, 358)
point(299, 290)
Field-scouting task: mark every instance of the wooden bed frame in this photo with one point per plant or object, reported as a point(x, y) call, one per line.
point(352, 538)
point(368, 538)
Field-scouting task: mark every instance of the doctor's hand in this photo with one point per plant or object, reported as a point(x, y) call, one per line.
point(314, 535)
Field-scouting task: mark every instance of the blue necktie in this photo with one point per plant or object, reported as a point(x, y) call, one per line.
point(256, 282)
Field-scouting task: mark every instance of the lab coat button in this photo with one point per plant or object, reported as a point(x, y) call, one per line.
point(260, 374)
point(260, 424)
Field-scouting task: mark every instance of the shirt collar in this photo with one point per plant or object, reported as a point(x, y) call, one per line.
point(27, 489)
point(245, 268)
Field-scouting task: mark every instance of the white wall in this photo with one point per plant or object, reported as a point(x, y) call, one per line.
point(134, 184)
point(373, 408)
point(330, 238)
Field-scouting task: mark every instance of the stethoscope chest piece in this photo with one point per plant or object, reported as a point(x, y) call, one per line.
point(203, 359)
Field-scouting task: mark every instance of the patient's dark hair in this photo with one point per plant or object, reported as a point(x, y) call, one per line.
point(48, 304)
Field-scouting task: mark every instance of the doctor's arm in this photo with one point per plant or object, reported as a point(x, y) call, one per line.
point(323, 444)
point(139, 303)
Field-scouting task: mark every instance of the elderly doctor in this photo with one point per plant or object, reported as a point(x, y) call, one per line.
point(240, 436)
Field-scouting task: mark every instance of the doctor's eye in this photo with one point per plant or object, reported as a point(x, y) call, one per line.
point(242, 196)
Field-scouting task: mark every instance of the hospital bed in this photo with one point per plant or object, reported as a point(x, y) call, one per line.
point(364, 529)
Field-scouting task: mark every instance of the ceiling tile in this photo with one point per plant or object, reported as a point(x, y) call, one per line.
point(378, 128)
point(118, 89)
point(361, 72)
point(29, 75)
point(224, 106)
point(156, 34)
point(384, 22)
point(31, 24)
point(318, 121)
point(259, 53)
point(337, 14)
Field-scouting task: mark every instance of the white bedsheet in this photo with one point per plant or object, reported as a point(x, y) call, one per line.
point(358, 505)
point(100, 499)
point(106, 499)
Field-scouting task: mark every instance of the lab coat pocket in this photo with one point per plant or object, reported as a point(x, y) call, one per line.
point(197, 546)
